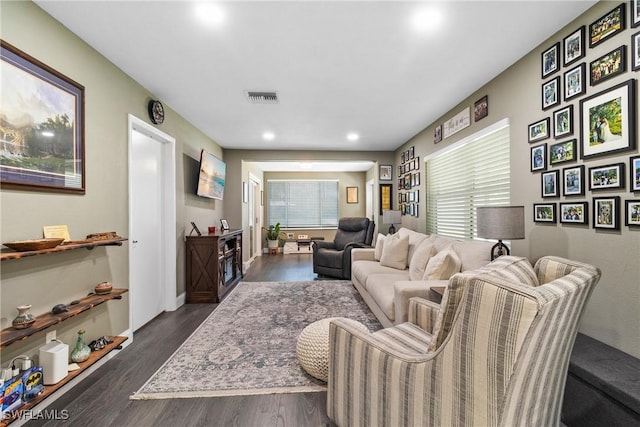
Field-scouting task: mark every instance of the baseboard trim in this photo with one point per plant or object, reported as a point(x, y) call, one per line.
point(181, 299)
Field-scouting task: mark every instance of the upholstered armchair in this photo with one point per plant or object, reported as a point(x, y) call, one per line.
point(334, 258)
point(495, 352)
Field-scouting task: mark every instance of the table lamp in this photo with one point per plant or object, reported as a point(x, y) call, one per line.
point(390, 217)
point(500, 222)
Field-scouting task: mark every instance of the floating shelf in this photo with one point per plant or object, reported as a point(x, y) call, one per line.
point(6, 254)
point(44, 321)
point(50, 389)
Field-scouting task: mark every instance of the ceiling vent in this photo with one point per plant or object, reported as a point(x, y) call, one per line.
point(262, 97)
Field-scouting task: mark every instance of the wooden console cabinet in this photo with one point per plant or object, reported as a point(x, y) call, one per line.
point(214, 265)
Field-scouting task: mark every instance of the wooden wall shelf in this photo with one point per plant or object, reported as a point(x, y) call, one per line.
point(7, 254)
point(44, 321)
point(50, 389)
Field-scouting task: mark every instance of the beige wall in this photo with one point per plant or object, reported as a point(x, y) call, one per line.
point(110, 96)
point(613, 314)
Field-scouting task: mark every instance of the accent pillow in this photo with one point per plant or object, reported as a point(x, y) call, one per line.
point(442, 265)
point(378, 247)
point(394, 252)
point(420, 258)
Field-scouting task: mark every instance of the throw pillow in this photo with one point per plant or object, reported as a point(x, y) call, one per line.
point(394, 252)
point(442, 265)
point(378, 248)
point(420, 258)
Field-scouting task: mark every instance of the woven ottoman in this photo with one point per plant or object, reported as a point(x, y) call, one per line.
point(312, 348)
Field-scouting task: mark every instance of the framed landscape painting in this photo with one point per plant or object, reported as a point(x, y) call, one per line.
point(607, 26)
point(43, 126)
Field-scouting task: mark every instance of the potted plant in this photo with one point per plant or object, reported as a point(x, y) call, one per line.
point(273, 236)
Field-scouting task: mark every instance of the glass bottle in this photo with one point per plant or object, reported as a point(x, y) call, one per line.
point(82, 350)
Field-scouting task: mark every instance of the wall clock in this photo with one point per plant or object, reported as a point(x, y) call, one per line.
point(156, 112)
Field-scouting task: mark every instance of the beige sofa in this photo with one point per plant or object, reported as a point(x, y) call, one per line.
point(387, 289)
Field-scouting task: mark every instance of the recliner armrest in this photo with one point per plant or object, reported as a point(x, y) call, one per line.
point(321, 244)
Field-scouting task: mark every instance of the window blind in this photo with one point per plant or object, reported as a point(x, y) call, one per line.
point(476, 173)
point(303, 203)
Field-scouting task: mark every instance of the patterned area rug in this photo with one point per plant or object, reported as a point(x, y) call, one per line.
point(247, 345)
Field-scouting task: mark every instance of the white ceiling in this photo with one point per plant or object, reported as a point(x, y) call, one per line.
point(337, 66)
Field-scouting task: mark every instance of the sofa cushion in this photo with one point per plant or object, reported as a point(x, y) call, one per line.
point(363, 270)
point(394, 252)
point(415, 239)
point(421, 257)
point(378, 247)
point(442, 265)
point(381, 290)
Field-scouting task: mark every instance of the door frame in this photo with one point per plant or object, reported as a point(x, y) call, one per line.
point(168, 214)
point(256, 200)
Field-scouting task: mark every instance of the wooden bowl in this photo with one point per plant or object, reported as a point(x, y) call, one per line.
point(103, 288)
point(33, 245)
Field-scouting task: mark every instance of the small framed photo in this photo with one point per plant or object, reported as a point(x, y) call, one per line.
point(539, 158)
point(544, 212)
point(352, 194)
point(606, 212)
point(574, 213)
point(632, 212)
point(539, 130)
point(551, 60)
point(224, 224)
point(573, 181)
point(608, 65)
point(634, 169)
point(563, 122)
point(551, 93)
point(604, 177)
point(412, 152)
point(437, 134)
point(550, 183)
point(386, 173)
point(607, 26)
point(574, 47)
point(575, 81)
point(635, 13)
point(562, 152)
point(416, 177)
point(481, 108)
point(635, 51)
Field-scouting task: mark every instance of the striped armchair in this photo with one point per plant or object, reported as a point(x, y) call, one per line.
point(494, 353)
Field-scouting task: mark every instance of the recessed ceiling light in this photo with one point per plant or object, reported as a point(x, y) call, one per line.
point(353, 136)
point(269, 136)
point(210, 13)
point(427, 19)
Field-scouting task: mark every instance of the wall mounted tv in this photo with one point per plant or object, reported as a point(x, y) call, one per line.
point(211, 177)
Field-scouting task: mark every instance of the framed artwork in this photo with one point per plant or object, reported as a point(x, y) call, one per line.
point(45, 152)
point(407, 182)
point(551, 93)
point(575, 82)
point(412, 152)
point(550, 60)
point(608, 65)
point(386, 172)
point(457, 123)
point(352, 194)
point(574, 213)
point(550, 183)
point(539, 130)
point(437, 134)
point(634, 169)
point(606, 212)
point(632, 212)
point(574, 47)
point(573, 181)
point(481, 108)
point(607, 121)
point(224, 224)
point(539, 158)
point(635, 51)
point(607, 26)
point(386, 197)
point(416, 177)
point(562, 152)
point(563, 122)
point(605, 177)
point(544, 212)
point(635, 12)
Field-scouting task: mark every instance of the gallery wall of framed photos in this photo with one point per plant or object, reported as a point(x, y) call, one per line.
point(409, 183)
point(584, 144)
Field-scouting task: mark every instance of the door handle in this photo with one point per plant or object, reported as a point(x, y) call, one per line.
point(135, 241)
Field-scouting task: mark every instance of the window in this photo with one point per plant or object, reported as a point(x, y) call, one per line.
point(303, 203)
point(474, 172)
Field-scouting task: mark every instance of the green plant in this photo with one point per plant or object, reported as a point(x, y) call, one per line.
point(273, 232)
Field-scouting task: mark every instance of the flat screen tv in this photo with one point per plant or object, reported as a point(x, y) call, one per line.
point(211, 176)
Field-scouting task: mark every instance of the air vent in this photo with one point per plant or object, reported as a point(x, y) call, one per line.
point(262, 97)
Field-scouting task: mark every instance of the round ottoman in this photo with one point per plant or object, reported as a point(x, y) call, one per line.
point(312, 348)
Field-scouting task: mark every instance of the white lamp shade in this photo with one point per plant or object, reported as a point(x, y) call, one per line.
point(500, 222)
point(391, 217)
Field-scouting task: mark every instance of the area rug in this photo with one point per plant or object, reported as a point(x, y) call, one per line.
point(247, 345)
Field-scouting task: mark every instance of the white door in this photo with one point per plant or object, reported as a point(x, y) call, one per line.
point(151, 222)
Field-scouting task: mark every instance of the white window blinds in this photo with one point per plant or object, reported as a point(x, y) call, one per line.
point(475, 173)
point(303, 203)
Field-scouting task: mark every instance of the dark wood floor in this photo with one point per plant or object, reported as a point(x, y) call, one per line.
point(102, 399)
